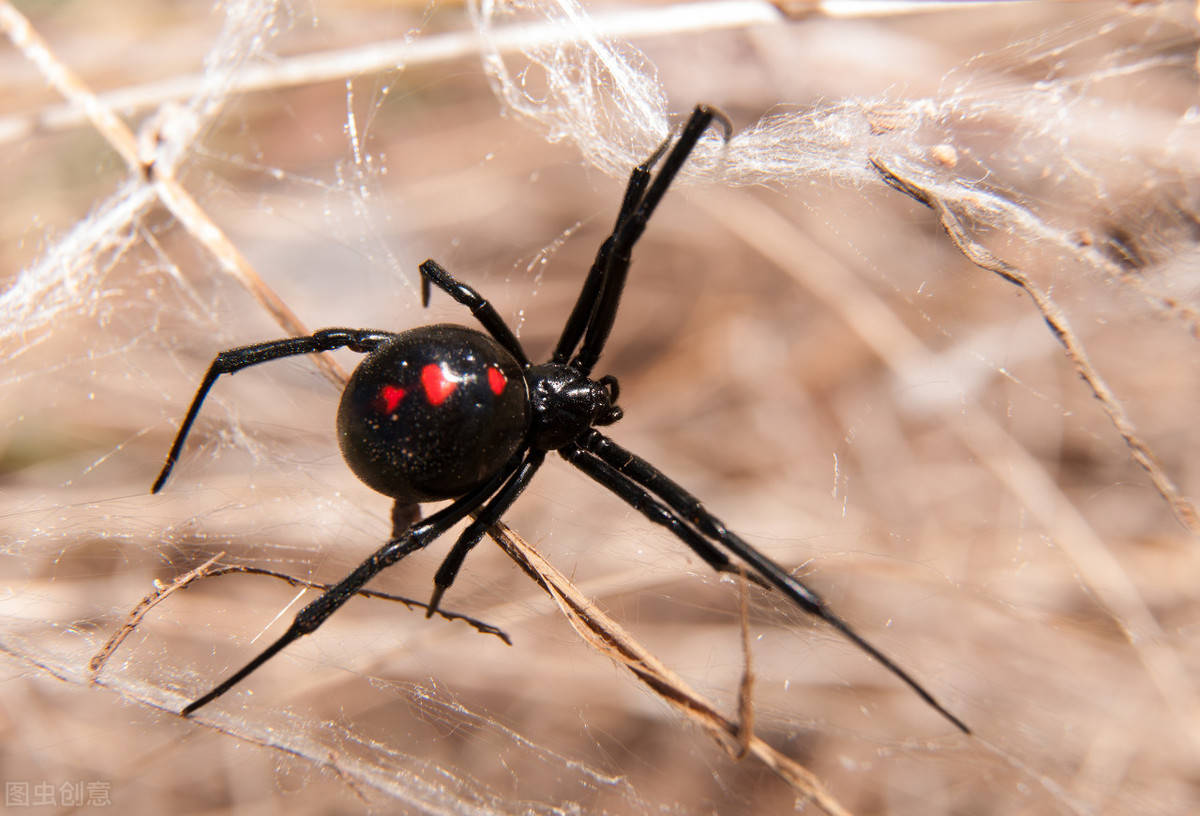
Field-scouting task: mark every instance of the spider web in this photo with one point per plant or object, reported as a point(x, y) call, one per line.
point(924, 330)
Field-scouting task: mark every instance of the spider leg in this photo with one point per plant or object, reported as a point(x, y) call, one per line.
point(433, 272)
point(650, 507)
point(312, 616)
point(233, 360)
point(620, 243)
point(486, 517)
point(638, 471)
point(585, 304)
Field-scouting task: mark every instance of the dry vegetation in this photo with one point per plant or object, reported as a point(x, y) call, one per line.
point(814, 356)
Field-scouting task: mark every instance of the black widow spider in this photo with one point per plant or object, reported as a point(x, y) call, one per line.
point(446, 412)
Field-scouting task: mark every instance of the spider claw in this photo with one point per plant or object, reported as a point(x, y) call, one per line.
point(432, 608)
point(720, 116)
point(161, 480)
point(425, 287)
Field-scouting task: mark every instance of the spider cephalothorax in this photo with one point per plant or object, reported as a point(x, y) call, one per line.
point(447, 412)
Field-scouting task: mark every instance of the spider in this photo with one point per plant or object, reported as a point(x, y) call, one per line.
point(447, 412)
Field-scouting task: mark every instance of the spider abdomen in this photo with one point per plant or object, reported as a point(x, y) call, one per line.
point(433, 413)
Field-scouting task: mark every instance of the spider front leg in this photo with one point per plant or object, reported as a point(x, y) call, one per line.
point(640, 500)
point(615, 252)
point(581, 313)
point(417, 537)
point(363, 341)
point(488, 317)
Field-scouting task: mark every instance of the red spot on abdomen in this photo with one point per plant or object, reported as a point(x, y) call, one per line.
point(437, 386)
point(389, 397)
point(496, 380)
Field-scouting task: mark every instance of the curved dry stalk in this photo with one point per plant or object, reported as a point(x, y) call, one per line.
point(609, 638)
point(1183, 508)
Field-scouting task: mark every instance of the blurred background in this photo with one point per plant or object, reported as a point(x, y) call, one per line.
point(800, 344)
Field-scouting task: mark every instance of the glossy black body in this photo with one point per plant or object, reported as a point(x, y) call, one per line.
point(418, 446)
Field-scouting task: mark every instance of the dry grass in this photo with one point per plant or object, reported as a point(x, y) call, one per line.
point(819, 361)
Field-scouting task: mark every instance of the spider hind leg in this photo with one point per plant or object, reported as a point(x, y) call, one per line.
point(636, 473)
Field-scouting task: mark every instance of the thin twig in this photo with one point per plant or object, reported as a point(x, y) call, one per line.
point(66, 82)
point(405, 52)
point(746, 686)
point(197, 222)
point(159, 173)
point(96, 664)
point(209, 570)
point(480, 626)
